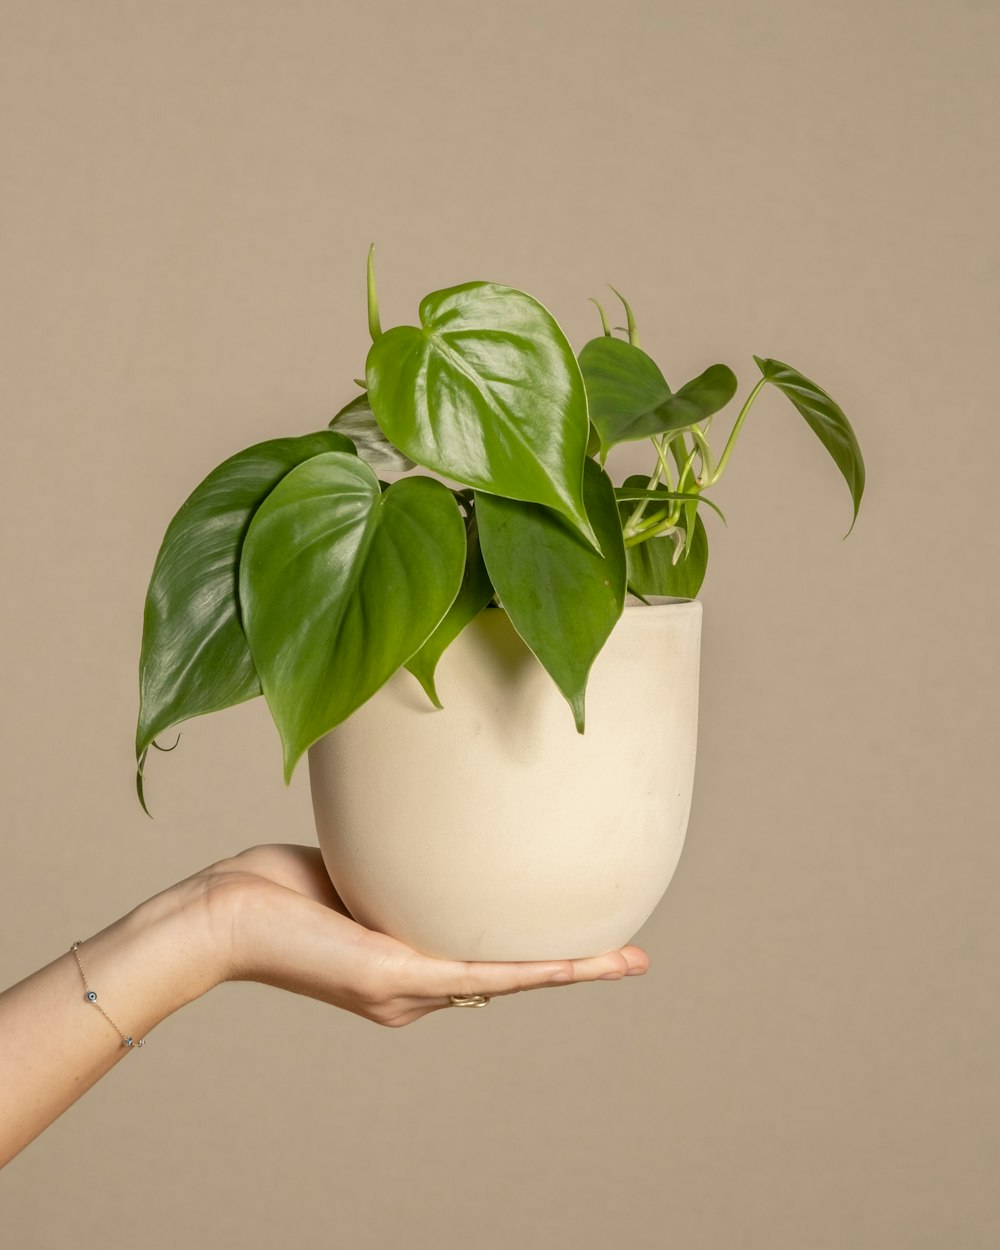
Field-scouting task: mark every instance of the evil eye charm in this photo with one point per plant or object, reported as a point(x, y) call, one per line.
point(91, 996)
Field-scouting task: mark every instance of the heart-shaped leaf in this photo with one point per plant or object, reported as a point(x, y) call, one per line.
point(487, 392)
point(826, 419)
point(629, 398)
point(474, 595)
point(561, 596)
point(195, 657)
point(356, 421)
point(340, 584)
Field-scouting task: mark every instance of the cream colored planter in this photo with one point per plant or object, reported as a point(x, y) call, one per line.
point(492, 830)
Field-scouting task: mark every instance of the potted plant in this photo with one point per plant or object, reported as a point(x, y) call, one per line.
point(297, 571)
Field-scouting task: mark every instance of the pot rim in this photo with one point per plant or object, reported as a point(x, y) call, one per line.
point(660, 601)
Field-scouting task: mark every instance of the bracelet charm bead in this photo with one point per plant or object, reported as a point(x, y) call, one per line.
point(91, 997)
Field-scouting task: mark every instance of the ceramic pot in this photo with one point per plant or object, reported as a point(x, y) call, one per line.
point(492, 829)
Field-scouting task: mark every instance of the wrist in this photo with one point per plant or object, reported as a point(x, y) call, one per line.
point(156, 959)
point(186, 929)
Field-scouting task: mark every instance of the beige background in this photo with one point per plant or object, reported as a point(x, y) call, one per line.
point(188, 192)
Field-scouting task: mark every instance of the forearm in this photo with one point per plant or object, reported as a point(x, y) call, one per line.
point(269, 914)
point(55, 1044)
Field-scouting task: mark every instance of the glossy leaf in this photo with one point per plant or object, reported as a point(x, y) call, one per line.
point(356, 421)
point(486, 391)
point(826, 419)
point(475, 593)
point(629, 397)
point(195, 657)
point(561, 596)
point(340, 583)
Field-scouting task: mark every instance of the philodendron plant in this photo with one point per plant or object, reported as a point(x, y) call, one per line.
point(294, 571)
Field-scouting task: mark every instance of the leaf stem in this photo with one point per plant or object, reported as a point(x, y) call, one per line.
point(640, 527)
point(666, 526)
point(688, 461)
point(662, 470)
point(723, 459)
point(705, 454)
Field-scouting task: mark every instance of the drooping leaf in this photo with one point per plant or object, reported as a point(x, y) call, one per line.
point(195, 657)
point(475, 593)
point(340, 583)
point(561, 596)
point(486, 391)
point(629, 397)
point(356, 421)
point(826, 419)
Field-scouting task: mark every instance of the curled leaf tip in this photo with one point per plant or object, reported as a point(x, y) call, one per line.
point(374, 325)
point(854, 521)
point(427, 682)
point(633, 336)
point(604, 319)
point(140, 782)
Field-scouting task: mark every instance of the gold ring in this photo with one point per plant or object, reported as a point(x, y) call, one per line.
point(469, 1000)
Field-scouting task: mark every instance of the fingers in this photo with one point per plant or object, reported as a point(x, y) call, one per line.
point(288, 933)
point(494, 979)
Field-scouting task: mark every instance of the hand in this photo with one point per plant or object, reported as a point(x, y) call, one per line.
point(277, 919)
point(269, 914)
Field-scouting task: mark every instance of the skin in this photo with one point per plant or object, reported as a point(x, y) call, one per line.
point(270, 915)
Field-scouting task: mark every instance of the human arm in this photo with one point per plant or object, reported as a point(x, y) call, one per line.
point(269, 914)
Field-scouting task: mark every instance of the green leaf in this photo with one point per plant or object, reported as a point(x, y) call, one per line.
point(195, 657)
point(630, 399)
point(487, 392)
point(474, 595)
point(340, 583)
point(826, 419)
point(356, 421)
point(653, 566)
point(561, 596)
